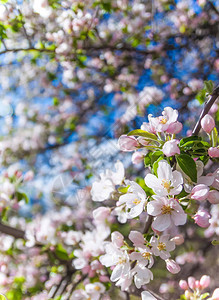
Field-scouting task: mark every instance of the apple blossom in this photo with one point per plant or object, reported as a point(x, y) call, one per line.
point(172, 266)
point(213, 152)
point(202, 218)
point(162, 246)
point(213, 197)
point(200, 192)
point(183, 284)
point(127, 143)
point(167, 182)
point(170, 148)
point(134, 200)
point(205, 281)
point(207, 123)
point(167, 212)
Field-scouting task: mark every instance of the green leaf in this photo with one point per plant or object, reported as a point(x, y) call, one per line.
point(209, 86)
point(188, 166)
point(189, 139)
point(155, 164)
point(61, 252)
point(143, 133)
point(156, 155)
point(147, 159)
point(2, 297)
point(22, 196)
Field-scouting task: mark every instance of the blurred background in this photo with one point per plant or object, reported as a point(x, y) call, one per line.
point(74, 76)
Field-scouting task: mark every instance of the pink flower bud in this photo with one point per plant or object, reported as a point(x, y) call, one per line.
point(207, 123)
point(200, 192)
point(213, 197)
point(202, 218)
point(172, 266)
point(170, 148)
point(197, 284)
point(29, 176)
point(117, 239)
point(191, 282)
point(143, 141)
point(175, 127)
point(178, 239)
point(213, 152)
point(127, 143)
point(215, 295)
point(205, 281)
point(183, 285)
point(137, 158)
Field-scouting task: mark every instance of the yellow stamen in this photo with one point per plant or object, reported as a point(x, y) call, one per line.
point(121, 261)
point(166, 210)
point(146, 255)
point(166, 184)
point(161, 246)
point(163, 120)
point(136, 201)
point(97, 288)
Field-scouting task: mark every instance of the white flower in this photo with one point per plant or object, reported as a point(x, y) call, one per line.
point(102, 189)
point(116, 257)
point(142, 275)
point(162, 246)
point(166, 212)
point(167, 182)
point(134, 200)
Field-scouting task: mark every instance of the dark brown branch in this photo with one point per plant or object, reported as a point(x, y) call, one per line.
point(206, 109)
point(148, 224)
point(16, 233)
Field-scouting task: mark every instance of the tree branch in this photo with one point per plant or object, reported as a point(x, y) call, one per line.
point(208, 105)
point(16, 233)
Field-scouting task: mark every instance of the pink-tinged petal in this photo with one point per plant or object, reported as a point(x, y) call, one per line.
point(147, 296)
point(136, 256)
point(200, 192)
point(136, 238)
point(170, 246)
point(177, 178)
point(172, 114)
point(179, 218)
point(161, 222)
point(164, 170)
point(152, 181)
point(207, 180)
point(117, 272)
point(154, 208)
point(107, 260)
point(176, 191)
point(117, 239)
point(136, 211)
point(164, 255)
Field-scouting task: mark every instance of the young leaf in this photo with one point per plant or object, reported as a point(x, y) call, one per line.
point(143, 133)
point(188, 166)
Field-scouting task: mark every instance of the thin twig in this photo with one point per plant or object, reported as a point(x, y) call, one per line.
point(208, 105)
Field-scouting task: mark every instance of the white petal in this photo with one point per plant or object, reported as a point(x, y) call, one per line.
point(161, 222)
point(117, 272)
point(154, 208)
point(147, 296)
point(164, 170)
